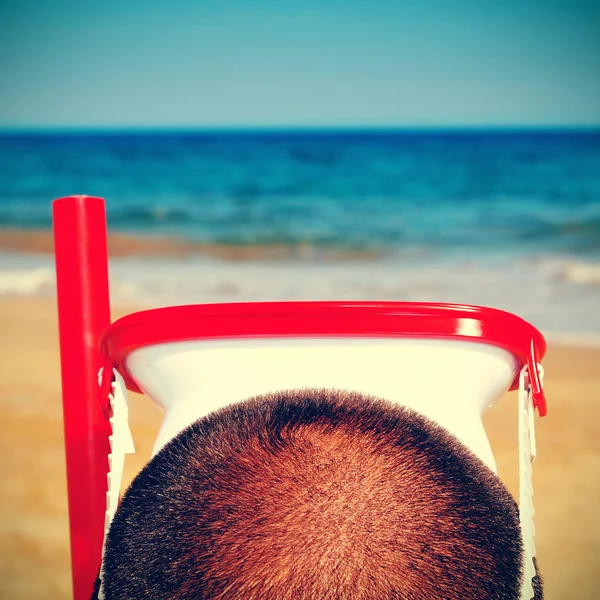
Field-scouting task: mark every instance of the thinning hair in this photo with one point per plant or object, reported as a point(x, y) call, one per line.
point(315, 495)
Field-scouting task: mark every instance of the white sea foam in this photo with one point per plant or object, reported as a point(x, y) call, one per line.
point(26, 281)
point(541, 289)
point(533, 288)
point(580, 340)
point(584, 273)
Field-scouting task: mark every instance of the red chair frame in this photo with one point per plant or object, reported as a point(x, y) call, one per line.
point(84, 319)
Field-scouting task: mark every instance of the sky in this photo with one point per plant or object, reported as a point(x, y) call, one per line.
point(304, 63)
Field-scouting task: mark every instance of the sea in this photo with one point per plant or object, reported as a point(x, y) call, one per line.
point(501, 218)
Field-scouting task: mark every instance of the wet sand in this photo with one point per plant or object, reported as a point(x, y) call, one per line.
point(34, 552)
point(126, 244)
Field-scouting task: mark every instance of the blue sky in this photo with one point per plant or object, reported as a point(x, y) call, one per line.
point(202, 63)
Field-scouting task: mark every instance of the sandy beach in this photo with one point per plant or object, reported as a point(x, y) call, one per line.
point(34, 552)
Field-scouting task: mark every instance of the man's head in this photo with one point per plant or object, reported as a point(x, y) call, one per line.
point(314, 494)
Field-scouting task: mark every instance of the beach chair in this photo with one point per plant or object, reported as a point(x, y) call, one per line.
point(448, 362)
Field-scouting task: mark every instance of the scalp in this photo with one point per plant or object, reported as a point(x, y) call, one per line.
point(315, 494)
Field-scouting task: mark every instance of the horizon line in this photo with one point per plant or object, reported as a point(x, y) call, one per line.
point(308, 128)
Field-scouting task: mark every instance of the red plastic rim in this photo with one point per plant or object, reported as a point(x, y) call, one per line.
point(322, 319)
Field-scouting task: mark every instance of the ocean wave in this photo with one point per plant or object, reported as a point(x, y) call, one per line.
point(583, 231)
point(582, 273)
point(26, 281)
point(383, 224)
point(577, 339)
point(157, 214)
point(26, 216)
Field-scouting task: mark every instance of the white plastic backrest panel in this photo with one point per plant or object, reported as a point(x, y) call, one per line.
point(451, 382)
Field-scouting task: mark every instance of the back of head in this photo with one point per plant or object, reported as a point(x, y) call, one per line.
point(314, 494)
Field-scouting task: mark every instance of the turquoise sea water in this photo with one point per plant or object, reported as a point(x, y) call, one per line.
point(444, 190)
point(507, 218)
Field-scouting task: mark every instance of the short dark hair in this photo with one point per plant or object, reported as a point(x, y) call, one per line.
point(315, 494)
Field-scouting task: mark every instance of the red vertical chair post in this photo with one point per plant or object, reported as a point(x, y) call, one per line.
point(83, 314)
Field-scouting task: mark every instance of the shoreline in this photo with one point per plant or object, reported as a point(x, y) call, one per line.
point(124, 245)
point(558, 295)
